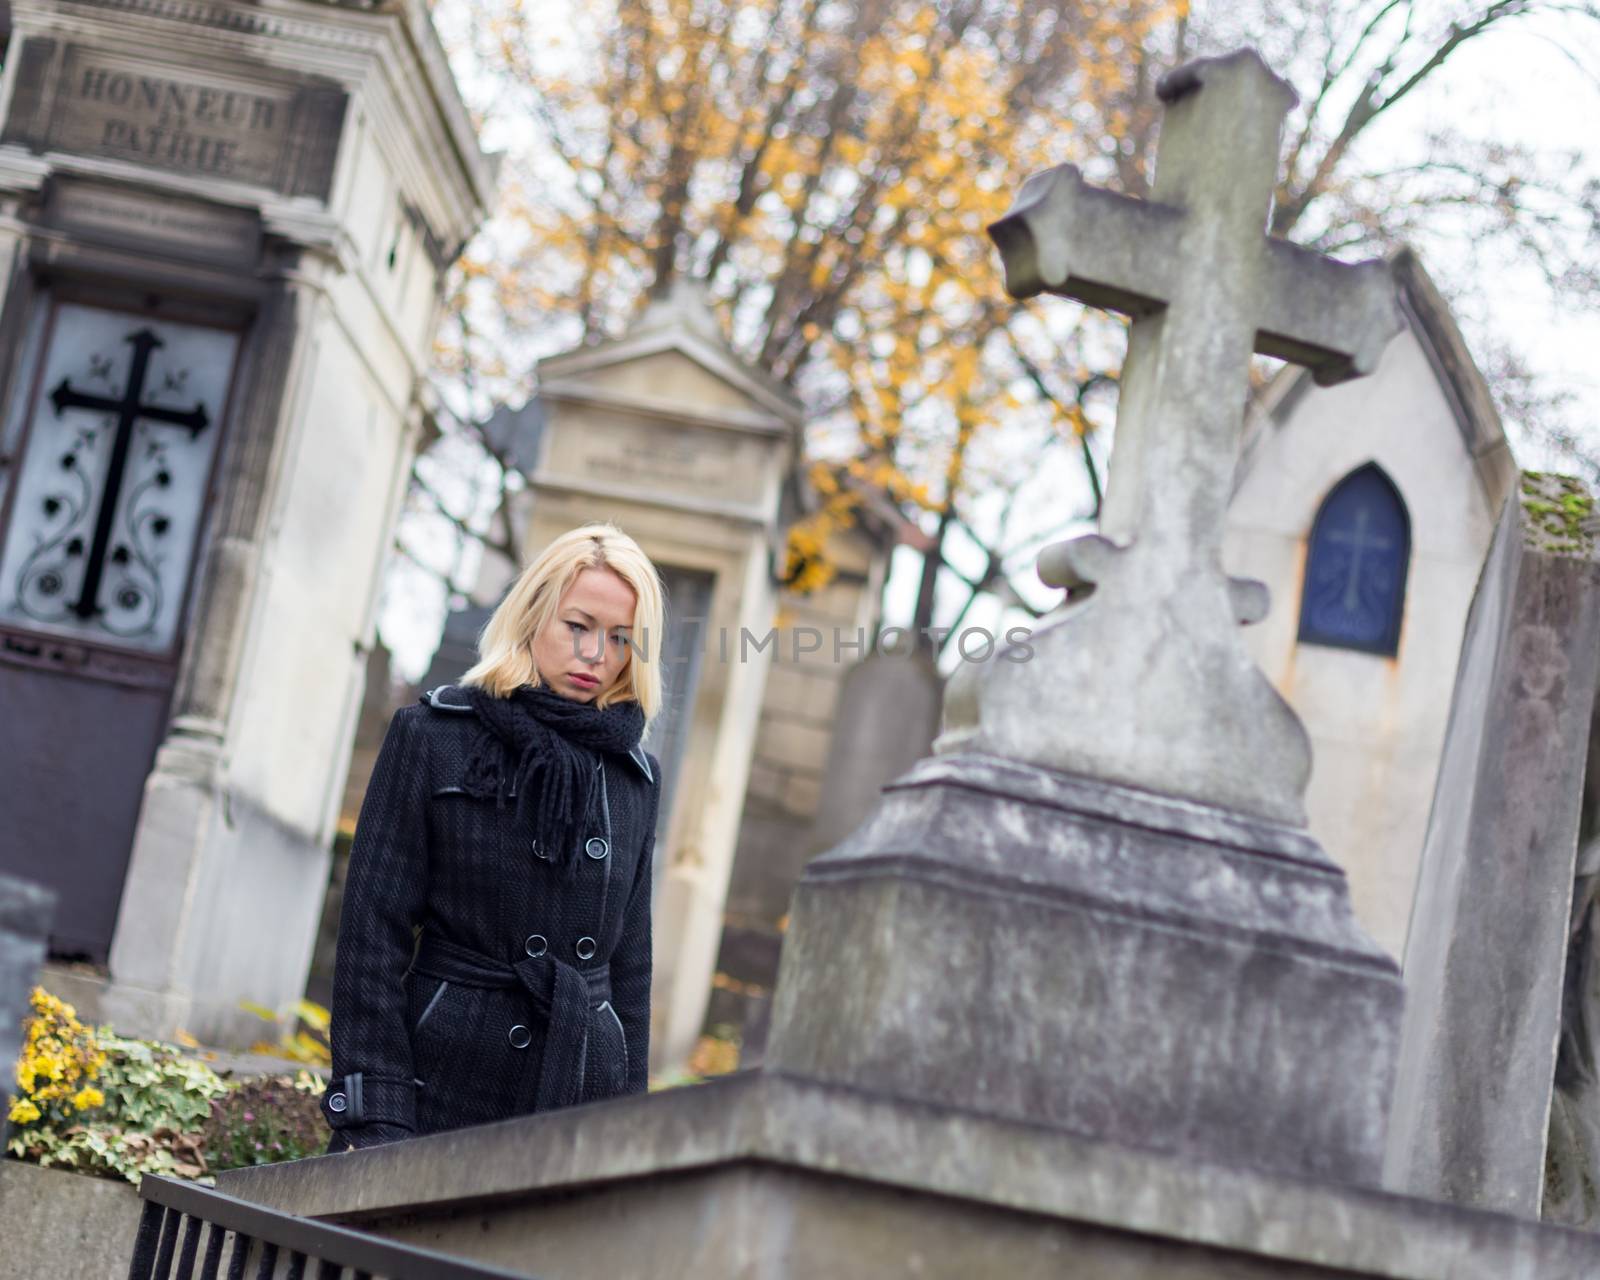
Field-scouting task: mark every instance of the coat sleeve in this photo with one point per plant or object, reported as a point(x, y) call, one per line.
point(630, 963)
point(372, 1092)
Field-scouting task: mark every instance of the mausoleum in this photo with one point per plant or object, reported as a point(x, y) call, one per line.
point(1367, 509)
point(224, 246)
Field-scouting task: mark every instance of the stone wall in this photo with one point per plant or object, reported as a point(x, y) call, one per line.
point(78, 1227)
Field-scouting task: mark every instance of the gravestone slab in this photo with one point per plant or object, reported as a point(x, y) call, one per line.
point(25, 911)
point(758, 1175)
point(888, 716)
point(1487, 953)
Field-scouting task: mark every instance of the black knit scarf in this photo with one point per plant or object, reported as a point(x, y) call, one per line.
point(544, 749)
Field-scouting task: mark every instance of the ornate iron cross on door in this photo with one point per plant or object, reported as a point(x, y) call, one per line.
point(129, 410)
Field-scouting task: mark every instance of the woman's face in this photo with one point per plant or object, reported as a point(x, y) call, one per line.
point(585, 646)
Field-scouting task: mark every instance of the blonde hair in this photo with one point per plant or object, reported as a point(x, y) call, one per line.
point(505, 652)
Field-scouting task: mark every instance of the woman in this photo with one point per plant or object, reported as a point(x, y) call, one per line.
point(494, 942)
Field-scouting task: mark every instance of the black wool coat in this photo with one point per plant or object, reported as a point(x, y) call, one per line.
point(527, 988)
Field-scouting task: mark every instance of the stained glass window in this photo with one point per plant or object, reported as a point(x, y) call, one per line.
point(1356, 564)
point(106, 510)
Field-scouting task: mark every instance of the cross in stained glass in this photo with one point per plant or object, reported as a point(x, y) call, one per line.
point(1360, 540)
point(1356, 559)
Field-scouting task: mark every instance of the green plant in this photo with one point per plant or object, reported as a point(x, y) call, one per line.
point(142, 1113)
point(266, 1119)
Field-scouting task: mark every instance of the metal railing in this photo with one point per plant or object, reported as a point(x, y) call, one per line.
point(268, 1245)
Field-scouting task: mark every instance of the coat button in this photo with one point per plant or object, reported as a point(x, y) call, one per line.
point(596, 847)
point(585, 948)
point(538, 851)
point(536, 945)
point(337, 1103)
point(520, 1037)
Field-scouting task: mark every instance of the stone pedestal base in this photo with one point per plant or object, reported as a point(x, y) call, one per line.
point(1015, 941)
point(760, 1176)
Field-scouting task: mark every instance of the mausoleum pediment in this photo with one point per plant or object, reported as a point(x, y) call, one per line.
point(667, 383)
point(674, 361)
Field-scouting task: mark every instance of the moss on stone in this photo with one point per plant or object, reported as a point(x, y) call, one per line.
point(1559, 514)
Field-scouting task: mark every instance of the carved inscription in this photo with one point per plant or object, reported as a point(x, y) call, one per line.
point(199, 126)
point(660, 457)
point(187, 126)
point(272, 129)
point(191, 228)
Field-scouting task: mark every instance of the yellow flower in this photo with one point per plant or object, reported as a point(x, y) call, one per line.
point(23, 1112)
point(88, 1097)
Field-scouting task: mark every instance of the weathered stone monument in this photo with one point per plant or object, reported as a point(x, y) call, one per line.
point(1164, 695)
point(225, 237)
point(1031, 1018)
point(1487, 961)
point(1176, 910)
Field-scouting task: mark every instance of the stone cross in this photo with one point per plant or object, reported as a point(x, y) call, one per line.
point(1142, 676)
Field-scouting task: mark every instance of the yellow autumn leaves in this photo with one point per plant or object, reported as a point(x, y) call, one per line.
point(828, 172)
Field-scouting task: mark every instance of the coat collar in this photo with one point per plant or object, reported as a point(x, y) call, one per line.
point(449, 699)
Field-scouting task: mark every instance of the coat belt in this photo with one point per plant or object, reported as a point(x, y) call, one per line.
point(561, 992)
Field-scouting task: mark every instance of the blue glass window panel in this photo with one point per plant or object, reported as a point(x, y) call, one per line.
point(1356, 565)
